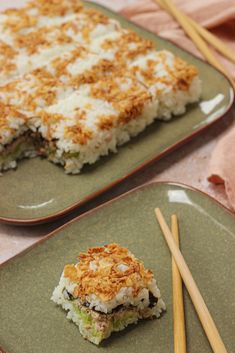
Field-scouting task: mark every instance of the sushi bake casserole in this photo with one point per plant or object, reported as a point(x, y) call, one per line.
point(107, 290)
point(74, 85)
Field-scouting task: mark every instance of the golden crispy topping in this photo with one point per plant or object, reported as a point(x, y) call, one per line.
point(96, 72)
point(78, 133)
point(19, 19)
point(70, 25)
point(106, 122)
point(179, 76)
point(12, 11)
point(7, 111)
point(86, 34)
point(42, 86)
point(99, 272)
point(7, 50)
point(110, 80)
point(7, 54)
point(80, 114)
point(132, 107)
point(150, 77)
point(96, 16)
point(6, 66)
point(9, 87)
point(49, 120)
point(88, 106)
point(60, 64)
point(129, 102)
point(149, 73)
point(129, 45)
point(183, 73)
point(42, 74)
point(39, 38)
point(54, 8)
point(45, 37)
point(47, 93)
point(4, 113)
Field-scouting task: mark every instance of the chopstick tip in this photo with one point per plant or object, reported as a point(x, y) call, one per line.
point(157, 211)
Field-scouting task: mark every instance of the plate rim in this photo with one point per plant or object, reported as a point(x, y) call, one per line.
point(107, 204)
point(110, 202)
point(59, 214)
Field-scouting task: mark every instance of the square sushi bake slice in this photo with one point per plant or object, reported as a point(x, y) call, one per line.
point(108, 289)
point(75, 85)
point(94, 120)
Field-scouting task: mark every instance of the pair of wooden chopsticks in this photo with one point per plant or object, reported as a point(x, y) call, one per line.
point(180, 265)
point(200, 36)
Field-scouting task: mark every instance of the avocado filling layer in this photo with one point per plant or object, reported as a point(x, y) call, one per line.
point(98, 326)
point(31, 144)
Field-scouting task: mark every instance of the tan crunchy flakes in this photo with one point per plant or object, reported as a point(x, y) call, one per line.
point(129, 102)
point(106, 122)
point(54, 8)
point(40, 84)
point(60, 64)
point(179, 76)
point(107, 278)
point(7, 50)
point(41, 38)
point(183, 73)
point(7, 55)
point(102, 68)
point(129, 44)
point(6, 112)
point(50, 119)
point(6, 66)
point(96, 16)
point(78, 133)
point(19, 19)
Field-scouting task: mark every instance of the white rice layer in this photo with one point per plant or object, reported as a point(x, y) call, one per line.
point(93, 325)
point(123, 297)
point(23, 62)
point(100, 40)
point(102, 141)
point(162, 84)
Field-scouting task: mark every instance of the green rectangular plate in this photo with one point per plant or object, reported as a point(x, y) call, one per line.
point(39, 191)
point(31, 323)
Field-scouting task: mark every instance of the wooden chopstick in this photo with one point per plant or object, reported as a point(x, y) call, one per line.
point(213, 40)
point(195, 36)
point(178, 306)
point(199, 42)
point(196, 297)
point(208, 36)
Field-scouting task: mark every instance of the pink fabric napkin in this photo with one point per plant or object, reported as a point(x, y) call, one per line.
point(218, 16)
point(222, 165)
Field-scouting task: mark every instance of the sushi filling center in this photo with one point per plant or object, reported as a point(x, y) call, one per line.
point(152, 302)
